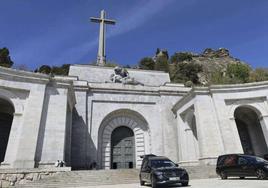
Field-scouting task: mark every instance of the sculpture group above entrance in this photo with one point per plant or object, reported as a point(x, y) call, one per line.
point(121, 75)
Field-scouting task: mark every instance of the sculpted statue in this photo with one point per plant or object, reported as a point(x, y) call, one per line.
point(121, 75)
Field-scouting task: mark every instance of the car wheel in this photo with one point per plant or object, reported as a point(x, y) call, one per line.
point(223, 175)
point(153, 183)
point(185, 183)
point(260, 174)
point(142, 182)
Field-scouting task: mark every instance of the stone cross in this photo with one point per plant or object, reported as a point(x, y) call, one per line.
point(101, 60)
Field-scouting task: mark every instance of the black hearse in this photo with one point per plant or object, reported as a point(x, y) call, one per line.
point(157, 170)
point(240, 165)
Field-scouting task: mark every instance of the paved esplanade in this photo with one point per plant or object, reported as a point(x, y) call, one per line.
point(204, 183)
point(101, 52)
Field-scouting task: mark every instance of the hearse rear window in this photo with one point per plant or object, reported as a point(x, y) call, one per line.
point(230, 160)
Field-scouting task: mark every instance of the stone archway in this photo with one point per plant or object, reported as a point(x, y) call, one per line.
point(126, 118)
point(250, 131)
point(6, 118)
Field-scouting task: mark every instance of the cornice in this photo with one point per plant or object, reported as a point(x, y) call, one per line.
point(231, 88)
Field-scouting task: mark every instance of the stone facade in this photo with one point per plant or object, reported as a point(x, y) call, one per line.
point(39, 130)
point(73, 118)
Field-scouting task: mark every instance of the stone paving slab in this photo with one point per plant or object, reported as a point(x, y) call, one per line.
point(204, 183)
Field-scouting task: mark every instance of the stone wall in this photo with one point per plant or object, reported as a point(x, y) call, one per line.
point(95, 74)
point(217, 131)
point(12, 177)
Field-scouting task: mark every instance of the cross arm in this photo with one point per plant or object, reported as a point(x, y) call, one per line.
point(107, 21)
point(97, 20)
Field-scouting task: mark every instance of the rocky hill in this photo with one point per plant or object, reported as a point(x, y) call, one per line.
point(206, 68)
point(212, 61)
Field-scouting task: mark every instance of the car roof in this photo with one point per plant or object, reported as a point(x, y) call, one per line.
point(147, 156)
point(238, 154)
point(158, 158)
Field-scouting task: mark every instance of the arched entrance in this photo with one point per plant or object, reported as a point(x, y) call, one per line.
point(134, 127)
point(6, 117)
point(250, 131)
point(122, 148)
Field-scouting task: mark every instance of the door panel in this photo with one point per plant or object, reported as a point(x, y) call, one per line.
point(122, 148)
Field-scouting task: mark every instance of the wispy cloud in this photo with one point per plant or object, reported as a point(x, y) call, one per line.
point(126, 22)
point(129, 20)
point(138, 15)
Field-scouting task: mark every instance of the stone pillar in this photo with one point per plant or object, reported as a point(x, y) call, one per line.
point(83, 149)
point(209, 136)
point(25, 154)
point(169, 133)
point(228, 128)
point(264, 126)
point(13, 141)
point(55, 117)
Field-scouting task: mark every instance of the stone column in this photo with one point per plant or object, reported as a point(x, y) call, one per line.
point(30, 127)
point(83, 149)
point(209, 136)
point(228, 128)
point(13, 141)
point(169, 133)
point(264, 126)
point(53, 143)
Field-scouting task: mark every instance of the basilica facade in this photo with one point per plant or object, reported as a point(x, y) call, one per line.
point(87, 120)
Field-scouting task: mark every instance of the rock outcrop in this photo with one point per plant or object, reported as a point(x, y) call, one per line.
point(212, 61)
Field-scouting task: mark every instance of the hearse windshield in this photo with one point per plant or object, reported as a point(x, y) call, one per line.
point(162, 164)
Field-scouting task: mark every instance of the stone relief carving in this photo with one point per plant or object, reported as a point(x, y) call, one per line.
point(121, 75)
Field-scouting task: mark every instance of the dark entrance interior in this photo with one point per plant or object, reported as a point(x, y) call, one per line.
point(122, 148)
point(250, 131)
point(6, 117)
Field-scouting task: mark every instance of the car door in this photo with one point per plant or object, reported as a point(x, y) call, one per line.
point(243, 168)
point(251, 165)
point(230, 165)
point(145, 171)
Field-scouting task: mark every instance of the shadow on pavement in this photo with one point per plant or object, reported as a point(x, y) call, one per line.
point(167, 186)
point(249, 178)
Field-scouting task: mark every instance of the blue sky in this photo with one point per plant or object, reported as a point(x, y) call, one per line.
point(55, 32)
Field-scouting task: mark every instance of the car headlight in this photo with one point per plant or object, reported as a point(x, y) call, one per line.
point(266, 166)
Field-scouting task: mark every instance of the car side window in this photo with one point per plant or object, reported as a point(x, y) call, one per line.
point(144, 166)
point(221, 160)
point(231, 160)
point(242, 161)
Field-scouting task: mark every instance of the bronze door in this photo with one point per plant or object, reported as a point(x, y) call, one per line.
point(122, 148)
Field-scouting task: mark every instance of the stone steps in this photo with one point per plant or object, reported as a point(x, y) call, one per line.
point(87, 178)
point(107, 177)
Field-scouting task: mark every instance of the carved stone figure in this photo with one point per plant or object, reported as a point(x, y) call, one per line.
point(121, 75)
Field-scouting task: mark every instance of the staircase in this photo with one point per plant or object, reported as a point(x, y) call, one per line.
point(87, 178)
point(108, 177)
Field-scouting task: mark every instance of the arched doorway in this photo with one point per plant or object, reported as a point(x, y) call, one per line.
point(250, 131)
point(130, 119)
point(6, 118)
point(122, 148)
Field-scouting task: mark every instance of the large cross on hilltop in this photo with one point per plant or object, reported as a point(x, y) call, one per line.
point(101, 59)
